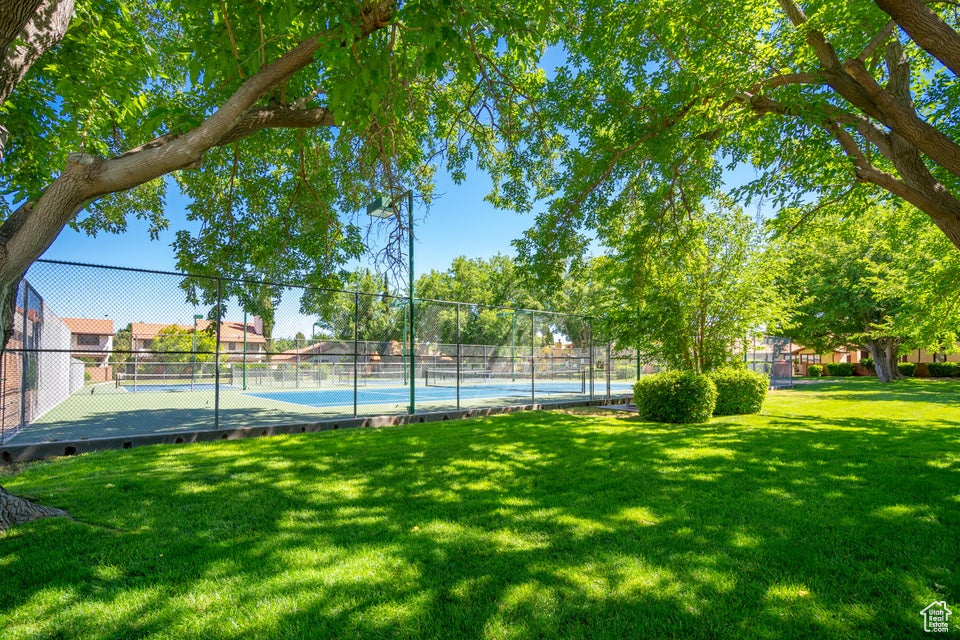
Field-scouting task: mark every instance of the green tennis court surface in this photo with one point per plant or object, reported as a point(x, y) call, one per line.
point(106, 410)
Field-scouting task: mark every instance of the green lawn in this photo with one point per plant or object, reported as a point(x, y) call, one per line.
point(835, 513)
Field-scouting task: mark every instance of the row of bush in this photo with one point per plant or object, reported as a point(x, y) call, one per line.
point(943, 369)
point(839, 369)
point(908, 369)
point(685, 396)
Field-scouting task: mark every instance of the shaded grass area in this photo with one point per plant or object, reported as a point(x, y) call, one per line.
point(835, 513)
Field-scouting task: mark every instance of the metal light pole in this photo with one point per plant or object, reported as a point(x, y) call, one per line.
point(379, 209)
point(193, 374)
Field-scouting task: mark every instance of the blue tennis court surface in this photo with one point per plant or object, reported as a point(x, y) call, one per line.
point(401, 394)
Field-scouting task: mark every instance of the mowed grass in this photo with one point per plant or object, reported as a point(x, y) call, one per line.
point(833, 514)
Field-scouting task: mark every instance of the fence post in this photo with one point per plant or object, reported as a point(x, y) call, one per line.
point(216, 361)
point(356, 347)
point(609, 363)
point(23, 356)
point(590, 343)
point(244, 352)
point(413, 349)
point(533, 356)
point(458, 356)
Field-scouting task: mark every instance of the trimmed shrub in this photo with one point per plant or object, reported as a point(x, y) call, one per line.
point(839, 369)
point(867, 363)
point(814, 370)
point(907, 369)
point(676, 397)
point(943, 369)
point(739, 391)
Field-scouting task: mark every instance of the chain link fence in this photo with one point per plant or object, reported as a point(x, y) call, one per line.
point(110, 351)
point(773, 356)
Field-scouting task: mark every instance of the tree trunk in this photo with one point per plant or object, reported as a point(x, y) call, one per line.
point(28, 29)
point(926, 29)
point(15, 510)
point(884, 354)
point(33, 227)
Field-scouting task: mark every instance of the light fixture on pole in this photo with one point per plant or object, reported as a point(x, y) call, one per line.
point(382, 208)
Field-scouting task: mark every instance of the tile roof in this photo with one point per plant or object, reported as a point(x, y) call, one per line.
point(229, 331)
point(89, 326)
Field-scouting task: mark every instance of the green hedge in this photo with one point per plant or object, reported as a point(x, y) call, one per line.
point(739, 391)
point(675, 397)
point(907, 368)
point(814, 370)
point(943, 369)
point(839, 369)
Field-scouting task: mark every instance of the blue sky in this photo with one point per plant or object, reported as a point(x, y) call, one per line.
point(458, 222)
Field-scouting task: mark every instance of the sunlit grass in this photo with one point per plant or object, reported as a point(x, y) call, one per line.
point(835, 513)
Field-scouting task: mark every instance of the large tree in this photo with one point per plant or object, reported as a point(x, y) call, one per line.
point(878, 277)
point(273, 118)
point(492, 287)
point(823, 98)
point(689, 292)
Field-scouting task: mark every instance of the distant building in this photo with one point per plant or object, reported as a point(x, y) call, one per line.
point(142, 335)
point(91, 339)
point(805, 356)
point(314, 352)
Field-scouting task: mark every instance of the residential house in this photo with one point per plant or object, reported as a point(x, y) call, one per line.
point(323, 351)
point(805, 356)
point(232, 338)
point(91, 339)
point(922, 356)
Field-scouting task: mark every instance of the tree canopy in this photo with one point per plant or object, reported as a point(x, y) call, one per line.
point(689, 294)
point(273, 119)
point(823, 99)
point(883, 279)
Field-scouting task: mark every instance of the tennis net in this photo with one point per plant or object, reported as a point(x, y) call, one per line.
point(173, 381)
point(558, 381)
point(372, 374)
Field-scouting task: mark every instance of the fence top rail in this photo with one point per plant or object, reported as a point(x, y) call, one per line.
point(287, 285)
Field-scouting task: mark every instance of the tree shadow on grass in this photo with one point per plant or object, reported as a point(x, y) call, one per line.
point(521, 526)
point(921, 390)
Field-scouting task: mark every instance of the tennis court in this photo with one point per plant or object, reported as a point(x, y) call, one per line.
point(107, 410)
point(441, 386)
point(162, 366)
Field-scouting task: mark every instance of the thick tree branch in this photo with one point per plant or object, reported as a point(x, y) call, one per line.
point(86, 178)
point(926, 29)
point(918, 186)
point(277, 118)
point(13, 18)
point(38, 33)
point(882, 36)
point(903, 119)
